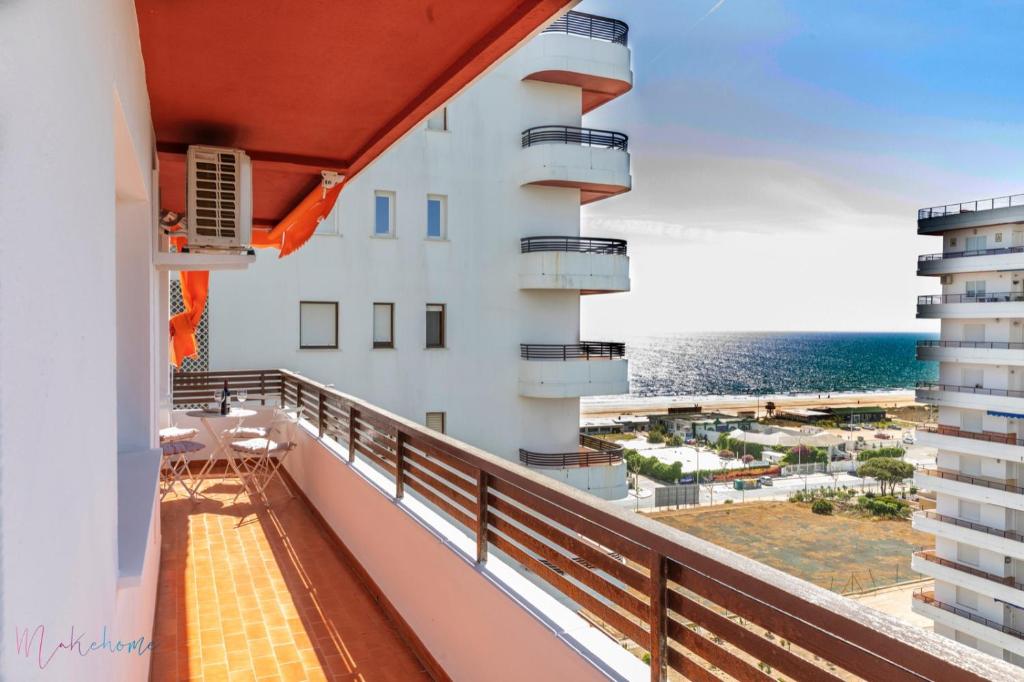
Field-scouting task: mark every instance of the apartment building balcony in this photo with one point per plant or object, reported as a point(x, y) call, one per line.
point(585, 51)
point(983, 260)
point(573, 370)
point(980, 213)
point(1005, 493)
point(974, 352)
point(1006, 542)
point(968, 622)
point(971, 397)
point(1005, 588)
point(968, 306)
point(589, 265)
point(596, 162)
point(319, 586)
point(1004, 446)
point(592, 452)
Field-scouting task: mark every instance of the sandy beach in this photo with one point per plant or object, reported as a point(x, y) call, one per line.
point(612, 406)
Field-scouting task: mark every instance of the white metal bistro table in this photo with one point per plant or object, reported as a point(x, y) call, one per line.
point(216, 424)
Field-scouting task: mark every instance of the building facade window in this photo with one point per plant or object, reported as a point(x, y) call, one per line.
point(437, 216)
point(438, 120)
point(435, 325)
point(383, 325)
point(435, 421)
point(383, 213)
point(318, 324)
point(976, 288)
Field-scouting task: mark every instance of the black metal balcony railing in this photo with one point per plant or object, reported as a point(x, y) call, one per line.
point(931, 257)
point(1002, 392)
point(991, 345)
point(929, 598)
point(593, 452)
point(972, 480)
point(573, 245)
point(589, 137)
point(930, 555)
point(988, 530)
point(1002, 438)
point(590, 26)
point(986, 297)
point(971, 206)
point(584, 350)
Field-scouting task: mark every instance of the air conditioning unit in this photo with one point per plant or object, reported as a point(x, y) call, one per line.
point(219, 199)
point(946, 279)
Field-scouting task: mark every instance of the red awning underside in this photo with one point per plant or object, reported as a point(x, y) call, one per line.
point(312, 85)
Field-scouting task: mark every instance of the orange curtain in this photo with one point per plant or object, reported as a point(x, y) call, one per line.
point(288, 236)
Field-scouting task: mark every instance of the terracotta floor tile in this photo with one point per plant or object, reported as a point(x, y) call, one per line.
point(246, 593)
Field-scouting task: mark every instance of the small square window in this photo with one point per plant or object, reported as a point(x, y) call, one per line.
point(383, 213)
point(438, 120)
point(437, 216)
point(383, 325)
point(952, 241)
point(435, 325)
point(435, 421)
point(999, 237)
point(318, 324)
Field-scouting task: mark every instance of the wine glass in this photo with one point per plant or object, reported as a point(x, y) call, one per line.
point(243, 394)
point(216, 399)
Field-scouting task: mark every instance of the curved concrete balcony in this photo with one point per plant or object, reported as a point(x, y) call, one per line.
point(592, 266)
point(967, 306)
point(985, 260)
point(973, 352)
point(573, 370)
point(971, 397)
point(968, 622)
point(1006, 542)
point(1005, 446)
point(984, 490)
point(592, 452)
point(1002, 587)
point(585, 51)
point(596, 162)
point(981, 213)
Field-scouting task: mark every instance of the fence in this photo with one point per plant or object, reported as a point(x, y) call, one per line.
point(677, 495)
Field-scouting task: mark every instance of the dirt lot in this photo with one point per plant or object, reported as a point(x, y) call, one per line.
point(842, 553)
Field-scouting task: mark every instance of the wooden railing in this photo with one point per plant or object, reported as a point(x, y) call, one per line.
point(691, 604)
point(584, 350)
point(593, 452)
point(989, 437)
point(973, 480)
point(198, 388)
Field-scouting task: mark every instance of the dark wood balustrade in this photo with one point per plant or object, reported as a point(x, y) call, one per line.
point(688, 602)
point(592, 452)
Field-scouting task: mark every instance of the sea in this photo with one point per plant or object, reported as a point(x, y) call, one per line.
point(729, 364)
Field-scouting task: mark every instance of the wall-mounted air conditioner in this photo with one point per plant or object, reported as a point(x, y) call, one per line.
point(219, 199)
point(946, 279)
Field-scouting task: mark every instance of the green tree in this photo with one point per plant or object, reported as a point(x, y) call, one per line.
point(888, 471)
point(893, 453)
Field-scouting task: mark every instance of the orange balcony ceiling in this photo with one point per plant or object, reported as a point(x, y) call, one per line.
point(313, 85)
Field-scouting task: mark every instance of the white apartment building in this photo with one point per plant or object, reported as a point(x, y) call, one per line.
point(445, 286)
point(978, 520)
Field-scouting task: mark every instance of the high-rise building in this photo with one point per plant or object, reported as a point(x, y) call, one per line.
point(446, 284)
point(978, 519)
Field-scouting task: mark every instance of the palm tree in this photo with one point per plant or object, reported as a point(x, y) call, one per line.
point(769, 408)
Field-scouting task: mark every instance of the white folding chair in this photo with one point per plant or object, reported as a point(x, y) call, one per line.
point(261, 458)
point(174, 465)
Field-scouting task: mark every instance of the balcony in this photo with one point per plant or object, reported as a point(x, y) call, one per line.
point(972, 397)
point(985, 490)
point(592, 452)
point(997, 211)
point(967, 306)
point(1002, 587)
point(373, 489)
point(1005, 446)
point(1008, 542)
point(596, 162)
point(968, 622)
point(573, 370)
point(585, 51)
point(984, 260)
point(589, 265)
point(975, 352)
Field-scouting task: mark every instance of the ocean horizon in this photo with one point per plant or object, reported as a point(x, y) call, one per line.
point(775, 363)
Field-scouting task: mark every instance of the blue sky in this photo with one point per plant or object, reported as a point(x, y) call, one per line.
point(780, 150)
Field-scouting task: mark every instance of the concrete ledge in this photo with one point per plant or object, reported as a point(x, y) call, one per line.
point(138, 476)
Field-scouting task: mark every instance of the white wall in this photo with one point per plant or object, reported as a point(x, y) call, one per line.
point(64, 66)
point(474, 272)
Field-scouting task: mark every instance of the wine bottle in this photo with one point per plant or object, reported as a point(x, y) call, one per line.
point(225, 404)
